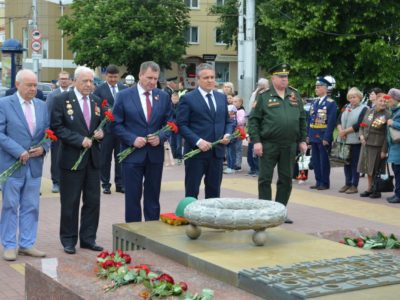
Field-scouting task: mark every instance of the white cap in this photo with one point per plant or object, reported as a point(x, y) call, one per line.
point(129, 79)
point(331, 80)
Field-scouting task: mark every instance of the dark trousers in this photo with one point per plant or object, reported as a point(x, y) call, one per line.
point(284, 157)
point(54, 168)
point(109, 145)
point(350, 170)
point(252, 160)
point(321, 164)
point(396, 171)
point(134, 173)
point(176, 145)
point(211, 169)
point(73, 184)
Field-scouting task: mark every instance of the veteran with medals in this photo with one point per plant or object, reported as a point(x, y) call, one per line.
point(277, 126)
point(322, 123)
point(75, 118)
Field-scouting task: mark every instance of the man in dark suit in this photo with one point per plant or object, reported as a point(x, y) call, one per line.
point(75, 118)
point(64, 82)
point(108, 91)
point(171, 86)
point(139, 112)
point(203, 118)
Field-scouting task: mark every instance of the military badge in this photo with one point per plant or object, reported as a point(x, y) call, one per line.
point(274, 104)
point(69, 106)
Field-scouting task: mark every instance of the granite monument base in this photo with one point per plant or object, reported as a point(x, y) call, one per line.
point(231, 257)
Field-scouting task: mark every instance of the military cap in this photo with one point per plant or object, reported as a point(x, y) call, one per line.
point(322, 81)
point(280, 70)
point(172, 78)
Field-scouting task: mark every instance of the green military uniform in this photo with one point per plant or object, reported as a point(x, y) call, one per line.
point(279, 124)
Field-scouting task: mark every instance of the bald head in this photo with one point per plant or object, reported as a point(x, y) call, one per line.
point(26, 84)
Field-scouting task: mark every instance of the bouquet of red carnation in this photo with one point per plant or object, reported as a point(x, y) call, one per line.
point(171, 126)
point(363, 125)
point(49, 136)
point(108, 117)
point(239, 133)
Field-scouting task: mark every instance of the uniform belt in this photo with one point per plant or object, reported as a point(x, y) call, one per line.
point(318, 126)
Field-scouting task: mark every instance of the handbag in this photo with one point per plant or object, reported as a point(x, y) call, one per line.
point(394, 135)
point(340, 152)
point(304, 162)
point(383, 182)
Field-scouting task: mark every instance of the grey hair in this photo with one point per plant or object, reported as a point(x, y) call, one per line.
point(264, 82)
point(354, 92)
point(82, 69)
point(149, 64)
point(203, 66)
point(21, 74)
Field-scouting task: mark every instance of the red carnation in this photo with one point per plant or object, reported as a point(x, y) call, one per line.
point(241, 133)
point(141, 267)
point(387, 97)
point(109, 115)
point(49, 134)
point(183, 285)
point(165, 277)
point(127, 258)
point(173, 127)
point(119, 264)
point(362, 124)
point(104, 104)
point(108, 264)
point(103, 254)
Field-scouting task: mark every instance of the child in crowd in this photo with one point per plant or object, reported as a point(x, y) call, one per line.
point(230, 149)
point(241, 122)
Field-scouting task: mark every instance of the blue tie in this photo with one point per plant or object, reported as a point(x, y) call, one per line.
point(211, 105)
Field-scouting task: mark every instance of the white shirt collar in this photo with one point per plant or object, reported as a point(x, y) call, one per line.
point(204, 93)
point(22, 100)
point(141, 90)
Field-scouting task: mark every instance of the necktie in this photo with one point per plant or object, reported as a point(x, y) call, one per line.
point(148, 106)
point(113, 91)
point(86, 113)
point(29, 117)
point(211, 104)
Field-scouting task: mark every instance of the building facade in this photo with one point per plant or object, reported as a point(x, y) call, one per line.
point(204, 43)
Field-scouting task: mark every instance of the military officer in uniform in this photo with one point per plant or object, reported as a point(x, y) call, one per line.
point(322, 122)
point(277, 126)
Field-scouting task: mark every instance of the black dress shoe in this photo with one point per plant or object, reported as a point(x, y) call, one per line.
point(288, 221)
point(394, 200)
point(69, 249)
point(322, 188)
point(391, 198)
point(106, 190)
point(93, 247)
point(314, 187)
point(375, 195)
point(120, 189)
point(365, 194)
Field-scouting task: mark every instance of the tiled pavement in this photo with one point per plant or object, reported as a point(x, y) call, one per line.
point(312, 211)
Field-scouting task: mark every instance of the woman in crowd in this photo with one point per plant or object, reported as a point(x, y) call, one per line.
point(373, 93)
point(241, 122)
point(348, 129)
point(394, 149)
point(228, 88)
point(373, 142)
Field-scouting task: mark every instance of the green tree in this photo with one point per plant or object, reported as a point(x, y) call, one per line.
point(356, 41)
point(126, 32)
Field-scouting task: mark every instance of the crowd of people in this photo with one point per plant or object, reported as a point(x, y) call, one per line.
point(278, 126)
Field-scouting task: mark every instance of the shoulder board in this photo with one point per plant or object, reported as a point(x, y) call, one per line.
point(292, 88)
point(263, 91)
point(330, 100)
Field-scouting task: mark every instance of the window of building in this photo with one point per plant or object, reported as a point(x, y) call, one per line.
point(220, 2)
point(192, 3)
point(45, 48)
point(192, 35)
point(221, 72)
point(218, 37)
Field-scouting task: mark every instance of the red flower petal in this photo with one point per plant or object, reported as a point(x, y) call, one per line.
point(165, 277)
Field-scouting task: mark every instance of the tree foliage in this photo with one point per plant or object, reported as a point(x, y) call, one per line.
point(126, 32)
point(356, 41)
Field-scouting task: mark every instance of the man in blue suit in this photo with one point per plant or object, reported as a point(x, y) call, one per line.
point(203, 118)
point(322, 122)
point(23, 121)
point(139, 112)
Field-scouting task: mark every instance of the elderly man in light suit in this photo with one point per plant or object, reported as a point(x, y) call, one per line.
point(64, 83)
point(23, 121)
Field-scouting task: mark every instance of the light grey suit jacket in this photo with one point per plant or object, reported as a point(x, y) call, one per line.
point(15, 136)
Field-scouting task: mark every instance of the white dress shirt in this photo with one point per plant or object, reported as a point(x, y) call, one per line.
point(80, 100)
point(31, 106)
point(204, 94)
point(142, 96)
